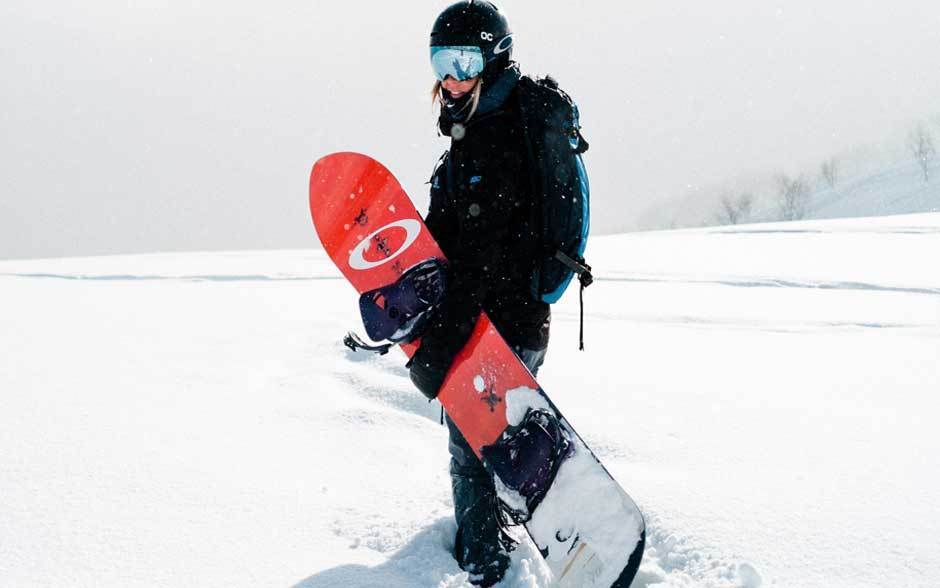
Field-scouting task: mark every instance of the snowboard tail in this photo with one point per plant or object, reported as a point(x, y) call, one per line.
point(587, 528)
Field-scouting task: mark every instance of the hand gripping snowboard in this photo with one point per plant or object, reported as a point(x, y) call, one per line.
point(589, 531)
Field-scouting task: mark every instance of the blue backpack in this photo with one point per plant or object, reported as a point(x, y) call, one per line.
point(559, 181)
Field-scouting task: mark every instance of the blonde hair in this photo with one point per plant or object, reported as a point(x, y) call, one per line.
point(436, 96)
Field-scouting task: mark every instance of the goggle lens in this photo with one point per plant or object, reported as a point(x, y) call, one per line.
point(460, 63)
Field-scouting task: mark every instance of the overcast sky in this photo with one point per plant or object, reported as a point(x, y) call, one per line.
point(138, 125)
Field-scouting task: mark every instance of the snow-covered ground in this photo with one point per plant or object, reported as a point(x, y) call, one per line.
point(767, 393)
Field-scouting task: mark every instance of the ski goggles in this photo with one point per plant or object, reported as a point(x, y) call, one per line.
point(460, 63)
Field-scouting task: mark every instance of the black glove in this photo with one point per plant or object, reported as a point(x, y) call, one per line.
point(447, 333)
point(439, 346)
point(428, 371)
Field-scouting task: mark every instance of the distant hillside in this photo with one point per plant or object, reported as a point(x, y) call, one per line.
point(871, 184)
point(897, 189)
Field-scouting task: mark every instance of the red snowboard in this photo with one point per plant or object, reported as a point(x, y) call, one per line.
point(590, 532)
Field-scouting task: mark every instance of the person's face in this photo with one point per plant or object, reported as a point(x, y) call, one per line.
point(458, 89)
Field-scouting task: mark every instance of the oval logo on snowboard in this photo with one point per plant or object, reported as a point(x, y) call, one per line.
point(357, 259)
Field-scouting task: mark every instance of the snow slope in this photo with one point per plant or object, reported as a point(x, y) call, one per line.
point(767, 394)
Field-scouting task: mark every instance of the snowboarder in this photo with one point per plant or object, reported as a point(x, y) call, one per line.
point(481, 214)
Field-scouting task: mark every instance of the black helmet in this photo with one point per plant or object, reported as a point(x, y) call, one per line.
point(474, 23)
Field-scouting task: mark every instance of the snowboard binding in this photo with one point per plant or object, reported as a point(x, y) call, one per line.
point(398, 312)
point(526, 459)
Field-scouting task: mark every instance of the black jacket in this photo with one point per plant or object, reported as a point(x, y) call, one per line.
point(481, 214)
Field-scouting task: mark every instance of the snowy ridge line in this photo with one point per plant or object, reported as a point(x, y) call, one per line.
point(889, 231)
point(777, 283)
point(750, 283)
point(192, 278)
point(794, 326)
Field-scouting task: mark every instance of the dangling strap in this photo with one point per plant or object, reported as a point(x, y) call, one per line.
point(581, 301)
point(577, 266)
point(354, 342)
point(585, 277)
